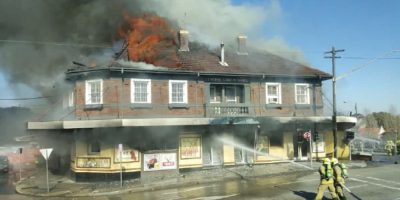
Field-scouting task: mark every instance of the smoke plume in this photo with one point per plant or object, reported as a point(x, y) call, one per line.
point(40, 38)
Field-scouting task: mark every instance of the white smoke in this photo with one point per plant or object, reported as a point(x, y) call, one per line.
point(96, 22)
point(213, 21)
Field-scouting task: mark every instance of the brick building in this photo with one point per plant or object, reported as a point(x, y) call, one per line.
point(209, 108)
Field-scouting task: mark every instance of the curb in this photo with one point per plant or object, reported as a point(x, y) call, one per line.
point(143, 187)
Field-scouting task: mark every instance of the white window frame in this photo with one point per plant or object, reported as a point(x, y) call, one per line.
point(71, 99)
point(235, 95)
point(214, 100)
point(307, 86)
point(88, 100)
point(278, 96)
point(148, 88)
point(185, 91)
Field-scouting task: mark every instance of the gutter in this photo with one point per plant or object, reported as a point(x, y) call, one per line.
point(194, 73)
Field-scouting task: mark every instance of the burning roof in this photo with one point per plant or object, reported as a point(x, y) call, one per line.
point(151, 40)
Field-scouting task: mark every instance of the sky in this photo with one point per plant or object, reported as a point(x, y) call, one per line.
point(365, 29)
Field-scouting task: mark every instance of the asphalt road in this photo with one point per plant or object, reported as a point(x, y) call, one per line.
point(381, 182)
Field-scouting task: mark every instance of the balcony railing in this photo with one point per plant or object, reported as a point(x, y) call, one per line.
point(225, 110)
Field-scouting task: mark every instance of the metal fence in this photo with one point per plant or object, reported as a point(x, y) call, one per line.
point(362, 145)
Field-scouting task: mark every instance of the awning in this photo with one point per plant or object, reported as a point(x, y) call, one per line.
point(110, 123)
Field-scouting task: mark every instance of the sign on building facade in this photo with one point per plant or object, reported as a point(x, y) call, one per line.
point(190, 147)
point(128, 154)
point(159, 161)
point(87, 162)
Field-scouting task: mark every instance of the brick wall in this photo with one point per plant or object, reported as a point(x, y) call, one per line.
point(288, 106)
point(116, 101)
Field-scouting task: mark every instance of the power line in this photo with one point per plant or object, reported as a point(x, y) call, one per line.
point(366, 64)
point(56, 43)
point(368, 58)
point(25, 98)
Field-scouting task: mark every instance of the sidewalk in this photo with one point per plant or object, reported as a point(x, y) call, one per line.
point(61, 186)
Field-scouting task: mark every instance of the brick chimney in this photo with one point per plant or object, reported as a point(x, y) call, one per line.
point(242, 48)
point(183, 40)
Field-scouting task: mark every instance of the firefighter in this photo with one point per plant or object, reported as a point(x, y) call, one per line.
point(389, 147)
point(326, 174)
point(339, 173)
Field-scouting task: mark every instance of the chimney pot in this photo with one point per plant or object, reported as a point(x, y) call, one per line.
point(183, 40)
point(222, 61)
point(242, 48)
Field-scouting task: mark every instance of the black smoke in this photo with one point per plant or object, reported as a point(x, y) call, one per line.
point(40, 38)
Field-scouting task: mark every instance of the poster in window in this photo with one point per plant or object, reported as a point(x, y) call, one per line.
point(93, 162)
point(128, 154)
point(262, 146)
point(159, 161)
point(190, 147)
point(319, 147)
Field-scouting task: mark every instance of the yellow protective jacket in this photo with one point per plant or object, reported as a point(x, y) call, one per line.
point(337, 172)
point(326, 174)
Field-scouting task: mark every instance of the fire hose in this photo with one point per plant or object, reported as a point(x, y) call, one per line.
point(348, 190)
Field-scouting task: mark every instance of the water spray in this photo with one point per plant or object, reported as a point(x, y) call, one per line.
point(246, 148)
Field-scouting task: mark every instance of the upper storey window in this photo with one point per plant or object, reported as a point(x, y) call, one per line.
point(140, 91)
point(94, 92)
point(231, 94)
point(215, 94)
point(71, 99)
point(226, 93)
point(178, 91)
point(302, 93)
point(273, 92)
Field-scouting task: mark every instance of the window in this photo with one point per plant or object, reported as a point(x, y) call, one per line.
point(215, 94)
point(71, 99)
point(273, 93)
point(140, 91)
point(177, 91)
point(230, 94)
point(275, 138)
point(94, 91)
point(226, 93)
point(319, 146)
point(262, 147)
point(94, 147)
point(302, 93)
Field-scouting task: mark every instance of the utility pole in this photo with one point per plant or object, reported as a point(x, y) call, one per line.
point(334, 125)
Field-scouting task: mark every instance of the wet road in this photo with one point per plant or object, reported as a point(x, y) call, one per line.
point(7, 191)
point(381, 182)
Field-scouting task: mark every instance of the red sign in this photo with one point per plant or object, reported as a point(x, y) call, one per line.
point(307, 135)
point(168, 164)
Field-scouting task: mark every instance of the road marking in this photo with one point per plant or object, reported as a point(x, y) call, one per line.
point(383, 180)
point(215, 197)
point(377, 184)
point(188, 190)
point(167, 193)
point(288, 183)
point(357, 186)
point(198, 188)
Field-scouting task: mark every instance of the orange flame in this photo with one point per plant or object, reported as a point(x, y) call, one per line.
point(150, 39)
